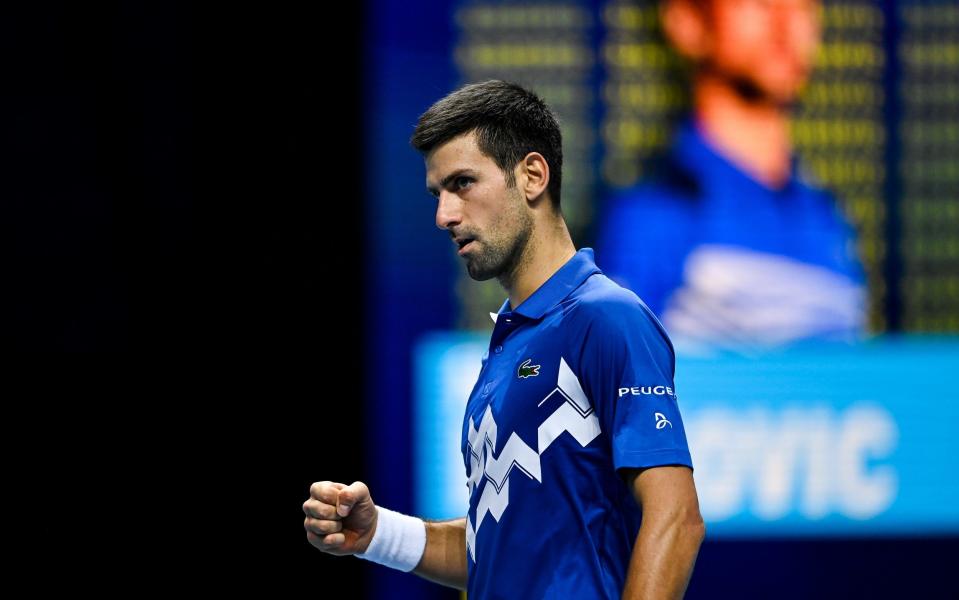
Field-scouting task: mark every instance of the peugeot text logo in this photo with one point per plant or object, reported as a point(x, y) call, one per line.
point(644, 390)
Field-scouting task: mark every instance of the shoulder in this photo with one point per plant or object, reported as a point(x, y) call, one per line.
point(822, 210)
point(667, 197)
point(656, 192)
point(599, 294)
point(613, 313)
point(817, 195)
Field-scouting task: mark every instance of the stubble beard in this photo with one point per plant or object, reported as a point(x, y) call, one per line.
point(504, 246)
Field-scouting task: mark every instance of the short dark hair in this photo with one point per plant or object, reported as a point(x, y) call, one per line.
point(509, 120)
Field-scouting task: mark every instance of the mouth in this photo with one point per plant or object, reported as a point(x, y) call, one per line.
point(463, 244)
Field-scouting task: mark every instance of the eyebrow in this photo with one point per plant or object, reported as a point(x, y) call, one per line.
point(446, 180)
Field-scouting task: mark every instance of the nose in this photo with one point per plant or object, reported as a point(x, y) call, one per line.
point(448, 213)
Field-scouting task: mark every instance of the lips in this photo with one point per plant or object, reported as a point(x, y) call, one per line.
point(463, 244)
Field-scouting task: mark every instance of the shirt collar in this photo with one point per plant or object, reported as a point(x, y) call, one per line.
point(569, 277)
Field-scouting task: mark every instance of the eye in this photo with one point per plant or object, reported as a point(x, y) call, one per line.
point(462, 182)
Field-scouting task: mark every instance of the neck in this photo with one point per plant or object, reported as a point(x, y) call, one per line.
point(549, 248)
point(752, 133)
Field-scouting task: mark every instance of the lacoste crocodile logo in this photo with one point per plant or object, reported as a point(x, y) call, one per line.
point(528, 370)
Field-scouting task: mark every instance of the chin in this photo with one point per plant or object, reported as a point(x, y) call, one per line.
point(477, 275)
point(480, 272)
point(480, 276)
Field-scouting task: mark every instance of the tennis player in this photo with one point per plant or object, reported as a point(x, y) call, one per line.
point(579, 474)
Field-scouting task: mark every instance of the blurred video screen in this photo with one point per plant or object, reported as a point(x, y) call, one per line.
point(812, 440)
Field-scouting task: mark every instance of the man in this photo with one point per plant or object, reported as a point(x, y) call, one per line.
point(724, 241)
point(572, 434)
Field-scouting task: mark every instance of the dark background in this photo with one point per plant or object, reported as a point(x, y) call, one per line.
point(182, 216)
point(183, 180)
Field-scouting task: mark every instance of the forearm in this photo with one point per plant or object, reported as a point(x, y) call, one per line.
point(444, 560)
point(663, 556)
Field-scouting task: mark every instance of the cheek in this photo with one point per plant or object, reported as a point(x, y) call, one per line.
point(740, 27)
point(804, 32)
point(499, 220)
point(737, 45)
point(502, 220)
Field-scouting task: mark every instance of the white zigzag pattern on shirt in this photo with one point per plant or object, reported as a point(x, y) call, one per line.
point(575, 416)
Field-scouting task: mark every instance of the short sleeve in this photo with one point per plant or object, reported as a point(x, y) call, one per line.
point(628, 366)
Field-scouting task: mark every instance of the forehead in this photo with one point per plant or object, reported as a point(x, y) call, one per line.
point(460, 153)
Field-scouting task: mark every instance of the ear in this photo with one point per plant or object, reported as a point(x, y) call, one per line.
point(533, 175)
point(684, 24)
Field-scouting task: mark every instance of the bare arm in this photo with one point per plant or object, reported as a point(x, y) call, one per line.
point(342, 520)
point(444, 560)
point(670, 534)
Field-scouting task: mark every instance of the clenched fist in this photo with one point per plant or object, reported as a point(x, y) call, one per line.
point(340, 519)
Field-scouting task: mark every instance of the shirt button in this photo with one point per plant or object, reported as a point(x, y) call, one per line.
point(498, 349)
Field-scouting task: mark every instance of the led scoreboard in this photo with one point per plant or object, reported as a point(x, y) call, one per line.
point(878, 124)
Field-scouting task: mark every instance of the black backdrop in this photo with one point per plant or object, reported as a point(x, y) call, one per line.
point(182, 214)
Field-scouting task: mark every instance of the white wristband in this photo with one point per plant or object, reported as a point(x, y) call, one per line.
point(399, 540)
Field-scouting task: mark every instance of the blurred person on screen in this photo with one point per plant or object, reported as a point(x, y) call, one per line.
point(574, 451)
point(726, 239)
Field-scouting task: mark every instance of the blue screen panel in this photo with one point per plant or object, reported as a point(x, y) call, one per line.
point(820, 440)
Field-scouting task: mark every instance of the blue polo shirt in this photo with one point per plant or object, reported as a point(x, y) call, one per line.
point(577, 385)
point(724, 260)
